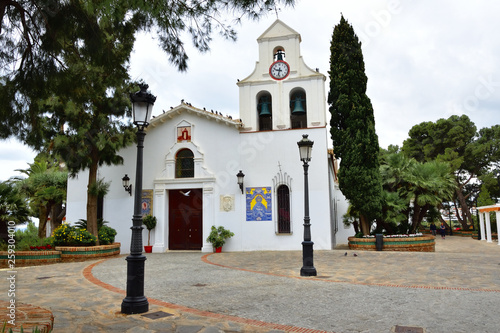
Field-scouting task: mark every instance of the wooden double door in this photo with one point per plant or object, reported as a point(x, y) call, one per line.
point(185, 219)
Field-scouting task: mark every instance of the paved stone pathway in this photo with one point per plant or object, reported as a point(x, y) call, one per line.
point(80, 306)
point(455, 289)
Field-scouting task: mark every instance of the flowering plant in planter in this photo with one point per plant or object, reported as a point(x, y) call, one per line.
point(106, 235)
point(28, 240)
point(66, 235)
point(418, 234)
point(41, 248)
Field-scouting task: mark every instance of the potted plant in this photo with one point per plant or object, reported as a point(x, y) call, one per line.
point(150, 222)
point(218, 237)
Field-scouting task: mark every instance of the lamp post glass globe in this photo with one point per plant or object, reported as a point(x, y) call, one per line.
point(142, 113)
point(240, 176)
point(142, 106)
point(305, 148)
point(126, 181)
point(126, 184)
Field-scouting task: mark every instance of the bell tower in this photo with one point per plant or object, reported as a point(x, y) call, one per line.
point(282, 92)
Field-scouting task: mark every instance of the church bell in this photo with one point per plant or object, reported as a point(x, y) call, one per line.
point(264, 109)
point(298, 109)
point(280, 55)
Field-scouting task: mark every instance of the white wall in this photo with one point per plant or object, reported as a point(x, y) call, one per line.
point(260, 168)
point(224, 152)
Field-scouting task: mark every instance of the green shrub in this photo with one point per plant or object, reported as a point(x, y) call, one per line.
point(66, 235)
point(61, 235)
point(150, 222)
point(28, 238)
point(218, 236)
point(106, 235)
point(83, 237)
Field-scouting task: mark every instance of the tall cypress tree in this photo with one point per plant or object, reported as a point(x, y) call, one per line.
point(353, 126)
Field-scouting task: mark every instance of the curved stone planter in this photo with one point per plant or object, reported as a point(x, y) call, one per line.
point(29, 258)
point(416, 244)
point(28, 317)
point(71, 253)
point(464, 233)
point(60, 254)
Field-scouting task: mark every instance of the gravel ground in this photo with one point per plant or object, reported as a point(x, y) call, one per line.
point(183, 278)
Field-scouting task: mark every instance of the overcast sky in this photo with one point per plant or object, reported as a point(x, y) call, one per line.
point(424, 60)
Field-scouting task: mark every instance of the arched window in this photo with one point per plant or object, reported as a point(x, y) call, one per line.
point(184, 164)
point(265, 111)
point(283, 194)
point(298, 108)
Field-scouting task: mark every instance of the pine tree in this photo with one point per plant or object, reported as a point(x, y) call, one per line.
point(353, 126)
point(470, 153)
point(90, 98)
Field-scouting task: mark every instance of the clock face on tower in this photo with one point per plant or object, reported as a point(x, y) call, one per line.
point(279, 70)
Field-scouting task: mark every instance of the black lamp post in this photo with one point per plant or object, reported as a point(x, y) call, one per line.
point(135, 301)
point(305, 149)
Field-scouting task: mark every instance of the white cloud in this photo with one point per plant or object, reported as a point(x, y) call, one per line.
point(14, 156)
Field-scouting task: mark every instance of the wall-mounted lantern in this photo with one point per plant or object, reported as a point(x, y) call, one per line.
point(127, 185)
point(240, 176)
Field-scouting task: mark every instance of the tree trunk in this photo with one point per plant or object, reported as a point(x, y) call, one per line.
point(414, 216)
point(356, 227)
point(92, 200)
point(419, 218)
point(56, 214)
point(465, 209)
point(42, 221)
point(4, 234)
point(459, 216)
point(364, 224)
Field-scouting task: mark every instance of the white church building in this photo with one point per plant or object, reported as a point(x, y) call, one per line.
point(192, 158)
